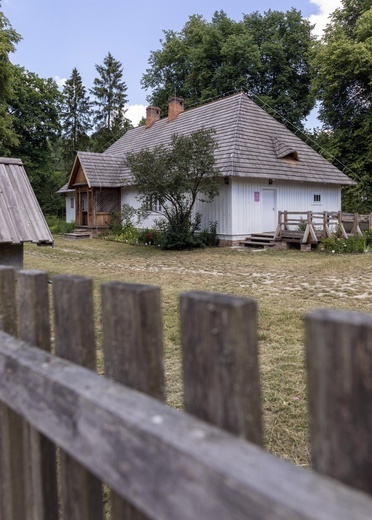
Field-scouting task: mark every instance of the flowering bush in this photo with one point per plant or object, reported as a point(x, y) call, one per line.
point(340, 245)
point(149, 237)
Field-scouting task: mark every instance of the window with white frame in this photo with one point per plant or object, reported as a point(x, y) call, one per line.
point(153, 204)
point(317, 198)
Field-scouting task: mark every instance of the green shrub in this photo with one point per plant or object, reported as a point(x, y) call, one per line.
point(129, 234)
point(178, 234)
point(115, 224)
point(209, 236)
point(58, 226)
point(340, 245)
point(368, 237)
point(302, 225)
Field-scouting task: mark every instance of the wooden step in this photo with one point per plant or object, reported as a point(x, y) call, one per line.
point(77, 235)
point(248, 243)
point(261, 240)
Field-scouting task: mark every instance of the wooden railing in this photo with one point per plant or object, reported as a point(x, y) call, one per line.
point(158, 462)
point(309, 227)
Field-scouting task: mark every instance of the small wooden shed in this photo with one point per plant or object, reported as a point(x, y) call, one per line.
point(21, 218)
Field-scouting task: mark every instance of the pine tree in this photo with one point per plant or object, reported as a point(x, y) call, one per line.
point(76, 111)
point(110, 98)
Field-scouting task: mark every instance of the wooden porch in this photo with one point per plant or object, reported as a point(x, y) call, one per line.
point(93, 209)
point(306, 229)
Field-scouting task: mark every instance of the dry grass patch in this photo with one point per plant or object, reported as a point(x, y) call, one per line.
point(286, 284)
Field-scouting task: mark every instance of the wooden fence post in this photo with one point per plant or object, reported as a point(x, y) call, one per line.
point(133, 352)
point(341, 225)
point(12, 464)
point(339, 358)
point(40, 452)
point(356, 228)
point(278, 231)
point(326, 231)
point(75, 341)
point(220, 362)
point(285, 224)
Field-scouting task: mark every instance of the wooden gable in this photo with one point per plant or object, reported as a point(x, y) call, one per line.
point(77, 176)
point(80, 177)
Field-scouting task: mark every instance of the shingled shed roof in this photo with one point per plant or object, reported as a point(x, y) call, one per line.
point(246, 136)
point(100, 170)
point(21, 219)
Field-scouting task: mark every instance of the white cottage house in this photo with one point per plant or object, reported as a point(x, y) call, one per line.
point(265, 169)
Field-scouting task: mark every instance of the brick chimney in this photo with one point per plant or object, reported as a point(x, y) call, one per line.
point(175, 107)
point(152, 115)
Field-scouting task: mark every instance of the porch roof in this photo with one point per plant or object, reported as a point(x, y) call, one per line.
point(100, 170)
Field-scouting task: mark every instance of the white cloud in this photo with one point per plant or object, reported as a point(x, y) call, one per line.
point(321, 19)
point(135, 113)
point(60, 81)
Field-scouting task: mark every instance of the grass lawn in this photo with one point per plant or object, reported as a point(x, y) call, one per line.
point(286, 284)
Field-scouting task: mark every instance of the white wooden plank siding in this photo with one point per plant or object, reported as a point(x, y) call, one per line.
point(243, 208)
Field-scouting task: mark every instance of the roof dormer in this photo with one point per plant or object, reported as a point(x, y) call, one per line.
point(284, 150)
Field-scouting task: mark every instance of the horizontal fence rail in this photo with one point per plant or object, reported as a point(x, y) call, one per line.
point(158, 462)
point(309, 227)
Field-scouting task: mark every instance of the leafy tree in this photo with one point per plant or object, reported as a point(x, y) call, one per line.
point(268, 55)
point(283, 78)
point(35, 107)
point(175, 177)
point(110, 98)
point(75, 116)
point(343, 84)
point(8, 39)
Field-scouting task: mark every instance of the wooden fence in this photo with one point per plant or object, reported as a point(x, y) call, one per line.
point(309, 227)
point(160, 463)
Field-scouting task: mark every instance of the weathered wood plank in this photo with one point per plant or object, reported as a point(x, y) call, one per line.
point(40, 452)
point(339, 358)
point(220, 362)
point(133, 351)
point(133, 336)
point(168, 463)
point(8, 310)
point(75, 341)
point(12, 464)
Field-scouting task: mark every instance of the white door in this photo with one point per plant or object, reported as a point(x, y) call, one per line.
point(269, 213)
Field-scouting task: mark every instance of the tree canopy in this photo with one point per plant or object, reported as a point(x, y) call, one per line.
point(34, 105)
point(343, 85)
point(174, 178)
point(268, 55)
point(8, 40)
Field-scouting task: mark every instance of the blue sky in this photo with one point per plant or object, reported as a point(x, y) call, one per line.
point(60, 35)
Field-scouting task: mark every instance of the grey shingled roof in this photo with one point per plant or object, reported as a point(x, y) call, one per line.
point(21, 219)
point(101, 170)
point(64, 189)
point(251, 144)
